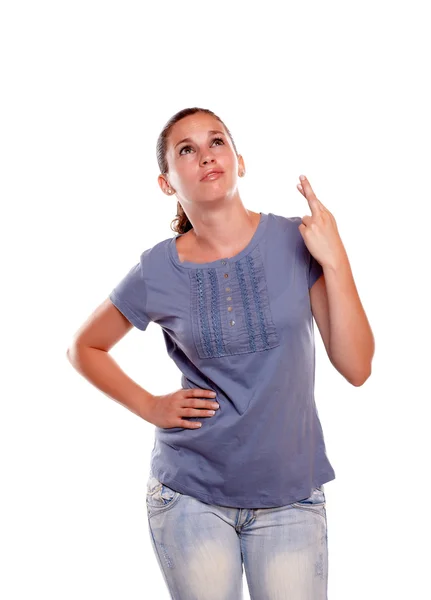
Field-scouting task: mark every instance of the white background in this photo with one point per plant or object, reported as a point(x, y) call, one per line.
point(337, 91)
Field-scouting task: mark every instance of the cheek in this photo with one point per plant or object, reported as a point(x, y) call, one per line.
point(186, 173)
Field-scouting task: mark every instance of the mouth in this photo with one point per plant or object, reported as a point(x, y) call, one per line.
point(212, 176)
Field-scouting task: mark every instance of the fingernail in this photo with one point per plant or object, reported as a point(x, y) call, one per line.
point(302, 177)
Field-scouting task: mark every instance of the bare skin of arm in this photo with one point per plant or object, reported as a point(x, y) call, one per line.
point(89, 355)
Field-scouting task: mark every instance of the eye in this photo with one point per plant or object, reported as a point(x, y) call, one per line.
point(214, 140)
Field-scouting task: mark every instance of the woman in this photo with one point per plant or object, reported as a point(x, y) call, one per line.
point(239, 460)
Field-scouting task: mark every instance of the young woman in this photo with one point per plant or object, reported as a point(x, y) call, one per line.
point(239, 460)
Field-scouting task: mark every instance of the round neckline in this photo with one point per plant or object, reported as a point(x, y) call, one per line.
point(221, 262)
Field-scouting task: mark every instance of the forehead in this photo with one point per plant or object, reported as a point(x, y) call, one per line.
point(193, 126)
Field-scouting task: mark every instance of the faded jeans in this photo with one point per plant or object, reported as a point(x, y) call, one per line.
point(201, 548)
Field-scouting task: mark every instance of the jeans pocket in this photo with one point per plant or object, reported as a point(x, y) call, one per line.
point(160, 497)
point(315, 502)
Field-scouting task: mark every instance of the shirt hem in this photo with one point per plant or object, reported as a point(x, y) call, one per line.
point(221, 501)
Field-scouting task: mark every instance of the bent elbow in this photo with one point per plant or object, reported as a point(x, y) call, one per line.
point(360, 379)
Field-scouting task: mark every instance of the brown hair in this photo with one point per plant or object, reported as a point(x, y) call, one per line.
point(182, 223)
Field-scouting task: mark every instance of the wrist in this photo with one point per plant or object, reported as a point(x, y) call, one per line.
point(145, 402)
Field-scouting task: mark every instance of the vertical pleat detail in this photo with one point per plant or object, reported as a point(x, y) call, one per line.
point(203, 321)
point(215, 312)
point(246, 304)
point(257, 302)
point(249, 327)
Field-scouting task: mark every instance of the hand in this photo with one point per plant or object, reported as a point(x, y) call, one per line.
point(167, 411)
point(320, 232)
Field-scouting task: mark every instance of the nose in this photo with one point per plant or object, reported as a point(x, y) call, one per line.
point(207, 156)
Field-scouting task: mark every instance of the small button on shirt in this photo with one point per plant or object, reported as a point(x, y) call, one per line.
point(243, 327)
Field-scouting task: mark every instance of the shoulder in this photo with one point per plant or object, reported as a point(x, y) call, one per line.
point(285, 222)
point(284, 230)
point(155, 257)
point(286, 238)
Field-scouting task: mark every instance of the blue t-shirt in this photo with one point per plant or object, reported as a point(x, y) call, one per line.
point(242, 327)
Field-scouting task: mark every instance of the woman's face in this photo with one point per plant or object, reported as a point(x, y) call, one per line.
point(208, 147)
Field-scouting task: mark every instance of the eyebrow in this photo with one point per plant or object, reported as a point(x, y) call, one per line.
point(210, 132)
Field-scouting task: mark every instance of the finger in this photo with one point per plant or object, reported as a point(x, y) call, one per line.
point(188, 424)
point(199, 403)
point(197, 399)
point(198, 393)
point(299, 186)
point(313, 202)
point(197, 412)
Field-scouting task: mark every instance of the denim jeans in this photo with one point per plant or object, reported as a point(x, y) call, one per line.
point(202, 549)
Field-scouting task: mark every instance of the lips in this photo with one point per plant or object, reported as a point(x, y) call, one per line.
point(212, 174)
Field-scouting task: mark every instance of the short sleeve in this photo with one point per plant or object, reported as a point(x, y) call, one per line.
point(315, 270)
point(309, 265)
point(130, 297)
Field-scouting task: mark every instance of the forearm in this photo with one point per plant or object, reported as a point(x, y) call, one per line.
point(351, 340)
point(100, 369)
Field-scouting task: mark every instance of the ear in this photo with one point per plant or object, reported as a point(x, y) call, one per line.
point(241, 166)
point(163, 183)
